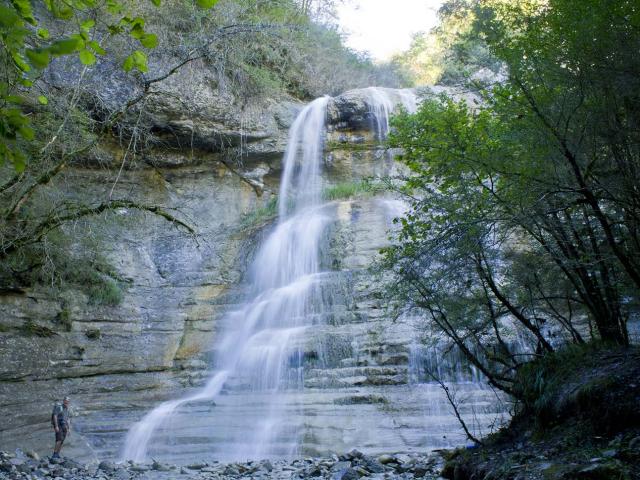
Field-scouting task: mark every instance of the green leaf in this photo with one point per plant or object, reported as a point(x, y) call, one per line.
point(14, 99)
point(156, 2)
point(87, 25)
point(137, 31)
point(61, 10)
point(87, 57)
point(43, 33)
point(140, 60)
point(43, 100)
point(114, 29)
point(27, 132)
point(96, 47)
point(65, 47)
point(9, 18)
point(19, 162)
point(20, 63)
point(128, 64)
point(24, 9)
point(149, 40)
point(206, 3)
point(39, 58)
point(114, 7)
point(136, 60)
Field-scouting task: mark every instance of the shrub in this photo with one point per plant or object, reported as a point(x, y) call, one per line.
point(346, 190)
point(64, 319)
point(260, 215)
point(93, 334)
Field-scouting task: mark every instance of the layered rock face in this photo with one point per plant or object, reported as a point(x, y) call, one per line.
point(362, 382)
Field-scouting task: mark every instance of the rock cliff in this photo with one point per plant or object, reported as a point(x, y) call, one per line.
point(218, 166)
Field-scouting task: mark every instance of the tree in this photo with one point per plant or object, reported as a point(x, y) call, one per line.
point(40, 135)
point(450, 53)
point(524, 209)
point(28, 48)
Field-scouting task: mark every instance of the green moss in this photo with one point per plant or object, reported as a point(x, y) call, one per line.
point(93, 334)
point(32, 328)
point(64, 319)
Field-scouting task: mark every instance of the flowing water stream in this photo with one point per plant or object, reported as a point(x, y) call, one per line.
point(260, 354)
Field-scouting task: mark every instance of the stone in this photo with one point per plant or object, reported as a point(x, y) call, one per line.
point(371, 464)
point(355, 454)
point(345, 474)
point(340, 466)
point(420, 470)
point(266, 465)
point(160, 467)
point(107, 467)
point(386, 459)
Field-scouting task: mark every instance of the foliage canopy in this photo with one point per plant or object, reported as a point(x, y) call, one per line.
point(525, 211)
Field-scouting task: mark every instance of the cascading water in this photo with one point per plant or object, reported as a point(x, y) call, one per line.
point(259, 402)
point(260, 339)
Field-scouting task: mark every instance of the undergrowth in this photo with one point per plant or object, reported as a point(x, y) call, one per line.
point(347, 190)
point(260, 215)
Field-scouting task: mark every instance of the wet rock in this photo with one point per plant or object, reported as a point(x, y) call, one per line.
point(160, 467)
point(371, 464)
point(354, 454)
point(345, 474)
point(266, 465)
point(420, 470)
point(387, 459)
point(340, 466)
point(107, 467)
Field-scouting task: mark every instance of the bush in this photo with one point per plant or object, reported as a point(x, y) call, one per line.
point(32, 328)
point(64, 319)
point(104, 292)
point(93, 334)
point(260, 215)
point(346, 190)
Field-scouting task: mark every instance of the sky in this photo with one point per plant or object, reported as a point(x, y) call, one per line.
point(385, 27)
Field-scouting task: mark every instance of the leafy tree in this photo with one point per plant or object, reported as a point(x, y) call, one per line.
point(451, 52)
point(524, 211)
point(28, 48)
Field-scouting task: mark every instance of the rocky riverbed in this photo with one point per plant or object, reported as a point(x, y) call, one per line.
point(353, 465)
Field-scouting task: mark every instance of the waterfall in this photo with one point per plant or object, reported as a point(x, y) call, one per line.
point(257, 345)
point(253, 406)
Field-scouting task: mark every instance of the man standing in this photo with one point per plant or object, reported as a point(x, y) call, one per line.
point(61, 422)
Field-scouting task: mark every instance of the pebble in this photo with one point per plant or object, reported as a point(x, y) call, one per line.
point(353, 465)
